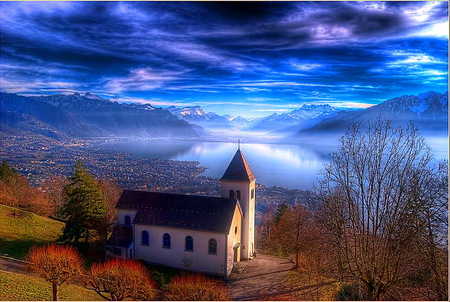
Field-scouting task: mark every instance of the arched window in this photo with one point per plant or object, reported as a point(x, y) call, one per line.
point(144, 238)
point(238, 194)
point(189, 244)
point(166, 241)
point(127, 220)
point(212, 246)
point(231, 194)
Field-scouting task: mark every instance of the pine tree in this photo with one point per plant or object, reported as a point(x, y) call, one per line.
point(6, 172)
point(86, 209)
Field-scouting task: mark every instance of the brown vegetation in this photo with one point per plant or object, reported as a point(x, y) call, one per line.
point(56, 264)
point(195, 287)
point(15, 191)
point(120, 279)
point(381, 224)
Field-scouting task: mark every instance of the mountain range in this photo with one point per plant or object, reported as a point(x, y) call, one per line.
point(197, 116)
point(428, 111)
point(88, 115)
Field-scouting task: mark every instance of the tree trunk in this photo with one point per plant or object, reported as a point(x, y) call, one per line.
point(55, 288)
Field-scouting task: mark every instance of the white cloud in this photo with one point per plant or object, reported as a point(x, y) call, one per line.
point(141, 79)
point(439, 30)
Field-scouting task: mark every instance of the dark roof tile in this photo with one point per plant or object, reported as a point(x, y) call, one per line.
point(238, 169)
point(205, 213)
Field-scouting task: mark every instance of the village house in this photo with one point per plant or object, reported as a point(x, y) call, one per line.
point(198, 233)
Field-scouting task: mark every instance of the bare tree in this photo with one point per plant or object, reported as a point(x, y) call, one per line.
point(120, 279)
point(292, 233)
point(56, 264)
point(377, 194)
point(53, 187)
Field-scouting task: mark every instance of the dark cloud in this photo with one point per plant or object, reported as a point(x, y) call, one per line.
point(231, 50)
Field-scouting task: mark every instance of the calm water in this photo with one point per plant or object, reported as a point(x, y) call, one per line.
point(285, 165)
point(291, 166)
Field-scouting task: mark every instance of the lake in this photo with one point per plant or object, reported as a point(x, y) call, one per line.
point(295, 166)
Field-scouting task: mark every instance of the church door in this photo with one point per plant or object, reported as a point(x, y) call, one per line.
point(236, 254)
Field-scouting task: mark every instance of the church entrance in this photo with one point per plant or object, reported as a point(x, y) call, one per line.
point(237, 252)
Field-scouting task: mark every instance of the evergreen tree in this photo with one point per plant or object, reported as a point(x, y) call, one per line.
point(86, 209)
point(281, 210)
point(6, 172)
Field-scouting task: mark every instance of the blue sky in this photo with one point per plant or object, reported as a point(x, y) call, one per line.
point(239, 58)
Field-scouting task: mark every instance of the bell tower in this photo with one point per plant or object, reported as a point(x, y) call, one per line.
point(238, 182)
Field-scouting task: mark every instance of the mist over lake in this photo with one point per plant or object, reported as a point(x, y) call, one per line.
point(289, 165)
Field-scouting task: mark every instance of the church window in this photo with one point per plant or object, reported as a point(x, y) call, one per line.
point(127, 220)
point(189, 244)
point(212, 246)
point(144, 238)
point(235, 230)
point(253, 193)
point(231, 194)
point(166, 241)
point(238, 194)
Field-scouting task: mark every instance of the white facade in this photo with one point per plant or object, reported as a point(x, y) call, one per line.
point(247, 196)
point(204, 251)
point(199, 259)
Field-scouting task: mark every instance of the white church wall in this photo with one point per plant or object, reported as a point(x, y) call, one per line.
point(234, 237)
point(176, 256)
point(122, 213)
point(247, 203)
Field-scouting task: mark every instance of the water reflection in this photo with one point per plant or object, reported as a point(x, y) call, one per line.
point(286, 165)
point(292, 166)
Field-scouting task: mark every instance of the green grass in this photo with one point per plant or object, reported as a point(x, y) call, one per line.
point(19, 287)
point(19, 230)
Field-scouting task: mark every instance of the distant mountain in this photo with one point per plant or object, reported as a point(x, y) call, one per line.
point(306, 116)
point(429, 111)
point(89, 115)
point(20, 124)
point(197, 116)
point(243, 123)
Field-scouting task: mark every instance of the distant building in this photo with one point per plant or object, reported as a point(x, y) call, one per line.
point(198, 233)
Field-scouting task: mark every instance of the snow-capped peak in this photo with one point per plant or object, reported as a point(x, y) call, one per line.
point(91, 96)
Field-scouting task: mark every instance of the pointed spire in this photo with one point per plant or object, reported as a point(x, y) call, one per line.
point(239, 144)
point(238, 169)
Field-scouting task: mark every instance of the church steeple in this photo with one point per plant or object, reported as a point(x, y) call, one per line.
point(238, 169)
point(239, 182)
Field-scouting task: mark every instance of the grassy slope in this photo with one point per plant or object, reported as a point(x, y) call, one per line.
point(19, 287)
point(19, 232)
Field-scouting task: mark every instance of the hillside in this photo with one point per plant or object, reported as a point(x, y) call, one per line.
point(91, 116)
point(19, 287)
point(19, 230)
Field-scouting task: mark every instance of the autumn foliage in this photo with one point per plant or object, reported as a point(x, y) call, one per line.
point(195, 287)
point(121, 279)
point(16, 191)
point(56, 264)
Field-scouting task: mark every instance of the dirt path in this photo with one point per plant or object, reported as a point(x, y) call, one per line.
point(259, 278)
point(13, 266)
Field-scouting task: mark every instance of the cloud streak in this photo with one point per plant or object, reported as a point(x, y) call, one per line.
point(230, 53)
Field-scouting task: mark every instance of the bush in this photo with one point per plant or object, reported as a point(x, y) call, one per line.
point(195, 287)
point(121, 279)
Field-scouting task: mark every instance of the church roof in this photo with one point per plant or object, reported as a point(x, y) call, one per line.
point(213, 214)
point(238, 169)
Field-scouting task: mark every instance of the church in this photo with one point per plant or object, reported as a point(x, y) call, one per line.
point(197, 233)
